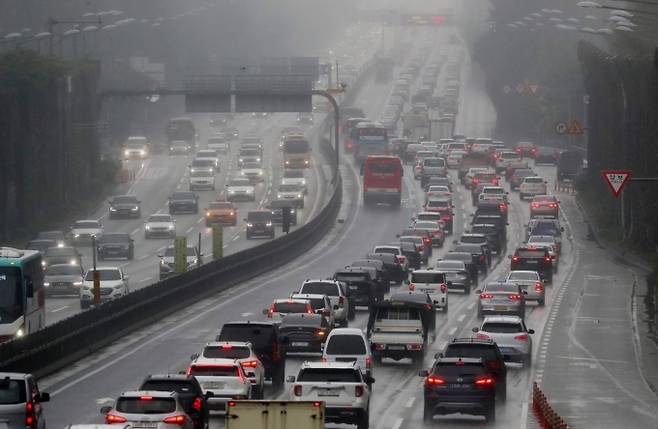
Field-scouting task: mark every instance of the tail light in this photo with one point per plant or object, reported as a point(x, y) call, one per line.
point(534, 205)
point(414, 347)
point(270, 312)
point(517, 150)
point(189, 370)
point(552, 205)
point(412, 286)
point(231, 403)
point(341, 300)
point(515, 177)
point(446, 218)
point(113, 418)
point(481, 336)
point(378, 346)
point(486, 295)
point(443, 287)
point(522, 337)
point(515, 258)
point(434, 381)
point(538, 287)
point(249, 364)
point(197, 404)
point(297, 390)
point(401, 258)
point(484, 381)
point(503, 207)
point(175, 420)
point(427, 240)
point(547, 259)
point(309, 309)
point(515, 297)
point(358, 391)
point(482, 258)
point(368, 362)
point(30, 418)
point(494, 181)
point(476, 181)
point(323, 359)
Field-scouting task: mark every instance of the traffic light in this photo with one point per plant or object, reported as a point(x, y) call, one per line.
point(286, 218)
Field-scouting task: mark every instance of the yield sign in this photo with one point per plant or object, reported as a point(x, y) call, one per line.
point(616, 179)
point(575, 128)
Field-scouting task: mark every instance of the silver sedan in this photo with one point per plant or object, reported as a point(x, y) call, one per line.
point(531, 283)
point(510, 334)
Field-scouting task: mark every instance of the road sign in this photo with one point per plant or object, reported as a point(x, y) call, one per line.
point(260, 93)
point(561, 127)
point(533, 88)
point(616, 179)
point(520, 88)
point(575, 128)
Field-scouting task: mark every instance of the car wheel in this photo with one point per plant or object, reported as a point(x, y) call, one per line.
point(490, 415)
point(351, 313)
point(428, 414)
point(541, 302)
point(527, 360)
point(467, 290)
point(364, 423)
point(502, 393)
point(84, 305)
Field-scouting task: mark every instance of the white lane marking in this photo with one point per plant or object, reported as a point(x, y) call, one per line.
point(524, 414)
point(141, 258)
point(200, 220)
point(55, 310)
point(146, 280)
point(225, 246)
point(461, 318)
point(470, 306)
point(410, 402)
point(398, 423)
point(452, 330)
point(235, 238)
point(246, 314)
point(189, 230)
point(101, 401)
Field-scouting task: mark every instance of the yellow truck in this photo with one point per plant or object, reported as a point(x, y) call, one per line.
point(274, 415)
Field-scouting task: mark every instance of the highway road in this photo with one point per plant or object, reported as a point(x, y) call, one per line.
point(583, 350)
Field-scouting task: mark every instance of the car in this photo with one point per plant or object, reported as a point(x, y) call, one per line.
point(115, 245)
point(488, 351)
point(221, 213)
point(21, 405)
point(220, 143)
point(396, 271)
point(496, 219)
point(203, 164)
point(524, 149)
point(456, 273)
point(444, 207)
point(545, 226)
point(161, 225)
point(242, 352)
point(113, 285)
point(240, 189)
point(259, 223)
point(231, 133)
point(545, 205)
point(252, 155)
point(530, 283)
point(533, 259)
point(277, 207)
point(467, 178)
point(335, 291)
point(266, 342)
point(469, 261)
point(253, 171)
point(136, 148)
point(221, 380)
point(440, 181)
point(454, 158)
point(259, 114)
point(320, 303)
point(209, 154)
point(532, 186)
point(510, 334)
point(293, 192)
point(481, 239)
point(459, 385)
point(518, 176)
point(437, 191)
point(432, 166)
point(514, 166)
point(549, 242)
point(393, 250)
point(349, 344)
point(124, 206)
point(218, 121)
point(492, 233)
point(546, 155)
point(433, 283)
point(61, 255)
point(433, 216)
point(63, 279)
point(340, 385)
point(40, 245)
point(189, 391)
point(163, 409)
point(202, 178)
point(283, 306)
point(295, 176)
point(493, 192)
point(424, 234)
point(305, 118)
point(183, 202)
point(179, 147)
point(501, 298)
point(435, 228)
point(304, 333)
point(479, 252)
point(382, 273)
point(505, 158)
point(362, 285)
point(82, 231)
point(253, 142)
point(168, 260)
point(419, 247)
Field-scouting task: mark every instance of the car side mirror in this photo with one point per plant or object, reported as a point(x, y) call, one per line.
point(561, 229)
point(290, 379)
point(44, 397)
point(423, 373)
point(475, 329)
point(194, 356)
point(531, 331)
point(106, 409)
point(369, 379)
point(209, 394)
point(160, 256)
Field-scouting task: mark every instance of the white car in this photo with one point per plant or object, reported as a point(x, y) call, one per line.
point(394, 250)
point(160, 225)
point(433, 283)
point(252, 171)
point(242, 352)
point(219, 143)
point(168, 260)
point(82, 231)
point(510, 334)
point(505, 158)
point(493, 192)
point(202, 179)
point(454, 158)
point(531, 284)
point(471, 172)
point(321, 304)
point(223, 378)
point(113, 285)
point(208, 155)
point(240, 189)
point(345, 344)
point(532, 186)
point(136, 148)
point(291, 192)
point(335, 291)
point(340, 385)
point(281, 307)
point(438, 191)
point(299, 181)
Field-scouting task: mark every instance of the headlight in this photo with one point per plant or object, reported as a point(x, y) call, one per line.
point(242, 173)
point(231, 191)
point(76, 235)
point(148, 227)
point(46, 284)
point(303, 182)
point(257, 159)
point(112, 209)
point(287, 162)
point(250, 225)
point(60, 244)
point(194, 261)
point(20, 333)
point(306, 161)
point(232, 214)
point(170, 227)
point(74, 262)
point(241, 159)
point(260, 173)
point(299, 195)
point(279, 196)
point(162, 262)
point(135, 209)
point(127, 152)
point(43, 263)
point(192, 170)
point(142, 152)
point(268, 224)
point(77, 283)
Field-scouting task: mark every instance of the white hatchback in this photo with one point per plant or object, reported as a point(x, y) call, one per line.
point(532, 186)
point(510, 334)
point(434, 284)
point(113, 284)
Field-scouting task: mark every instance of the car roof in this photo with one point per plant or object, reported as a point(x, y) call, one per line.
point(177, 377)
point(228, 343)
point(153, 393)
point(291, 301)
point(498, 318)
point(347, 331)
point(329, 365)
point(304, 296)
point(478, 341)
point(457, 360)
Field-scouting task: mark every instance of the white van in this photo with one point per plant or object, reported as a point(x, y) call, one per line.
point(348, 345)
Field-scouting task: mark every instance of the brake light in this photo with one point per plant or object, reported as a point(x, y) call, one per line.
point(552, 205)
point(341, 300)
point(414, 346)
point(534, 205)
point(486, 295)
point(515, 258)
point(227, 346)
point(146, 398)
point(197, 404)
point(446, 218)
point(538, 287)
point(427, 240)
point(270, 312)
point(522, 337)
point(432, 380)
point(358, 391)
point(484, 381)
point(231, 403)
point(30, 418)
point(547, 259)
point(317, 404)
point(481, 336)
point(428, 306)
point(503, 207)
point(309, 309)
point(175, 420)
point(515, 177)
point(476, 181)
point(494, 181)
point(515, 297)
point(297, 390)
point(401, 258)
point(249, 364)
point(378, 346)
point(482, 258)
point(368, 362)
point(443, 287)
point(517, 150)
point(113, 418)
point(412, 286)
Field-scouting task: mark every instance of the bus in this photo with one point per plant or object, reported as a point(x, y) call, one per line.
point(382, 180)
point(182, 129)
point(296, 152)
point(22, 295)
point(346, 131)
point(369, 138)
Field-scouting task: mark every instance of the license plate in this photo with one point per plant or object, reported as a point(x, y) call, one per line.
point(353, 288)
point(327, 393)
point(145, 425)
point(396, 347)
point(299, 344)
point(428, 290)
point(457, 386)
point(505, 349)
point(500, 308)
point(531, 262)
point(213, 385)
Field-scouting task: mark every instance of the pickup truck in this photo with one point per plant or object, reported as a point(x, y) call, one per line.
point(399, 329)
point(275, 415)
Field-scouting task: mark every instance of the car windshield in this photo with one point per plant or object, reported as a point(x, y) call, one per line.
point(429, 216)
point(12, 392)
point(217, 140)
point(220, 205)
point(459, 370)
point(533, 180)
point(86, 225)
point(289, 188)
point(541, 239)
point(239, 182)
point(295, 319)
point(184, 196)
point(458, 256)
point(249, 153)
point(171, 251)
point(502, 327)
point(215, 371)
point(226, 351)
point(434, 162)
point(182, 387)
point(345, 344)
point(160, 218)
point(115, 238)
point(293, 174)
point(426, 225)
point(320, 288)
point(438, 204)
point(530, 253)
point(329, 375)
point(450, 265)
point(390, 250)
point(105, 275)
point(259, 216)
point(61, 251)
point(427, 277)
point(290, 307)
point(63, 270)
point(124, 200)
point(484, 351)
point(473, 239)
point(501, 287)
point(411, 239)
point(202, 173)
point(523, 275)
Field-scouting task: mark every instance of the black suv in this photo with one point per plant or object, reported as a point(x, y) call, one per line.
point(478, 253)
point(189, 392)
point(125, 206)
point(259, 223)
point(488, 351)
point(267, 343)
point(492, 234)
point(534, 259)
point(494, 219)
point(362, 288)
point(463, 385)
point(183, 202)
point(115, 245)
